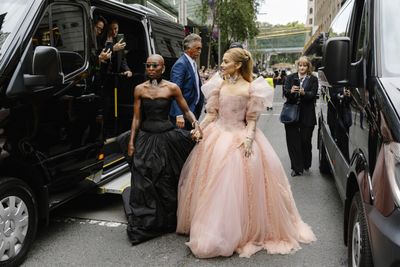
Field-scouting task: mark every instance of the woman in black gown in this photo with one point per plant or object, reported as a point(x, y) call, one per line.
point(158, 152)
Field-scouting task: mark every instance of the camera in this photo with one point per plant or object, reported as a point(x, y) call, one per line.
point(296, 82)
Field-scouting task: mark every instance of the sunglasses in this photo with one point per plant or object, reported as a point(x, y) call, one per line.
point(149, 65)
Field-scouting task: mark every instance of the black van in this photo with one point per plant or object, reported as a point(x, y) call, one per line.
point(52, 143)
point(360, 145)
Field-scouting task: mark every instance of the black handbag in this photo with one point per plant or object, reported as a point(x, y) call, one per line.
point(290, 113)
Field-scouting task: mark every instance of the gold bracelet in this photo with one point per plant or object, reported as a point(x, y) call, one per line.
point(194, 122)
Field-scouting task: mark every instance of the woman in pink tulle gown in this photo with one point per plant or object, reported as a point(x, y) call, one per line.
point(233, 193)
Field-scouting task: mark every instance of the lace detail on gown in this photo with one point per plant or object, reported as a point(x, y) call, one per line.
point(228, 202)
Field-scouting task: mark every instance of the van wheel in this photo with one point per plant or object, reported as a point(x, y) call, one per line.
point(358, 247)
point(323, 159)
point(18, 221)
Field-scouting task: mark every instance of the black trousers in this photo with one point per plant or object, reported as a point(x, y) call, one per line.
point(298, 140)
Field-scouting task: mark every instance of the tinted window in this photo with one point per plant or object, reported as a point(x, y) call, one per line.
point(340, 24)
point(65, 31)
point(168, 38)
point(390, 37)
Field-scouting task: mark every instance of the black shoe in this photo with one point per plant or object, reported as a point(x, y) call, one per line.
point(294, 173)
point(307, 169)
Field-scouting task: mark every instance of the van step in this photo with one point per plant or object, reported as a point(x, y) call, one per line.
point(59, 198)
point(116, 186)
point(112, 160)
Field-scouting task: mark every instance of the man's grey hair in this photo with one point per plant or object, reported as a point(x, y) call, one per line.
point(190, 39)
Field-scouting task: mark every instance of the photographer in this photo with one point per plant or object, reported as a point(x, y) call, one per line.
point(301, 87)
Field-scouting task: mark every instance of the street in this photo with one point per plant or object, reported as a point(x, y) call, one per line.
point(91, 230)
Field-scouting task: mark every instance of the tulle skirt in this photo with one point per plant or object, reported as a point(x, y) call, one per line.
point(229, 203)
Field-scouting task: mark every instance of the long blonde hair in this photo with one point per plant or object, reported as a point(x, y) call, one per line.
point(243, 56)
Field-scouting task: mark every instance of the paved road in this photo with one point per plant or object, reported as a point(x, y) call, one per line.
point(91, 230)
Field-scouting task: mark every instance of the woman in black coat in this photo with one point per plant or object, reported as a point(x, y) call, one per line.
point(301, 87)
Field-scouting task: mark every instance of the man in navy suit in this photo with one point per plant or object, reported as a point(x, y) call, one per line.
point(184, 73)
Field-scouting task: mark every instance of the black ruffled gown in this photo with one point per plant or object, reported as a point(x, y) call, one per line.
point(161, 150)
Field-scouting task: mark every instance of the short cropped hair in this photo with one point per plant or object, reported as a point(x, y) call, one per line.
point(189, 40)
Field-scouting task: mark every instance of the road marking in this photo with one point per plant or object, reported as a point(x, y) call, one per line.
point(109, 224)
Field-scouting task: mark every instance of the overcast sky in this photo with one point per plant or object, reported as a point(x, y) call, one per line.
point(283, 11)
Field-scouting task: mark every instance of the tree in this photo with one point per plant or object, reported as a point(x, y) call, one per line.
point(235, 19)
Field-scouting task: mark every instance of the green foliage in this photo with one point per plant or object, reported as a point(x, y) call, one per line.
point(235, 18)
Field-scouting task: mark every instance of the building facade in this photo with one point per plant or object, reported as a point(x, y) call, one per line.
point(325, 11)
point(319, 16)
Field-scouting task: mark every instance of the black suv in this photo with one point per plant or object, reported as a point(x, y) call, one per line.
point(52, 143)
point(360, 145)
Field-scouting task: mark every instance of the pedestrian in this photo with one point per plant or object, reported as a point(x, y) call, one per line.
point(185, 74)
point(233, 193)
point(158, 151)
point(283, 76)
point(276, 78)
point(301, 87)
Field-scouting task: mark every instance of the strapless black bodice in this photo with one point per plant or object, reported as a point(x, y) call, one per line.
point(155, 115)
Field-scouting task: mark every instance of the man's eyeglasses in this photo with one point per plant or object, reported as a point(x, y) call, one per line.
point(149, 65)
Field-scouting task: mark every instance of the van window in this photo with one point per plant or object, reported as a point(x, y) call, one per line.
point(340, 25)
point(390, 37)
point(12, 14)
point(63, 27)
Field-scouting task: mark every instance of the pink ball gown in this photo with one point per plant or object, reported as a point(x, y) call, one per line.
point(229, 203)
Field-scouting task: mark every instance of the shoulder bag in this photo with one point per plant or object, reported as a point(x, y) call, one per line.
point(290, 113)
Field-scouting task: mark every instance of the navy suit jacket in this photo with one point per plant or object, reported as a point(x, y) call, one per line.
point(183, 75)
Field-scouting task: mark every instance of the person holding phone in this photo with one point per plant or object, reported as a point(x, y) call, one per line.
point(301, 87)
point(112, 70)
point(118, 62)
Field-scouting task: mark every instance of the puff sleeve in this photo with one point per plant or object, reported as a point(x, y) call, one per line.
point(261, 96)
point(211, 93)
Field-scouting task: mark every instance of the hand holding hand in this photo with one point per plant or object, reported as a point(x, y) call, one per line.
point(197, 134)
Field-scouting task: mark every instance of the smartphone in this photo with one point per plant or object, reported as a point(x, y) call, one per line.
point(296, 82)
point(108, 45)
point(120, 37)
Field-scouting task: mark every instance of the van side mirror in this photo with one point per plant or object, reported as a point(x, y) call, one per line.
point(336, 61)
point(46, 68)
